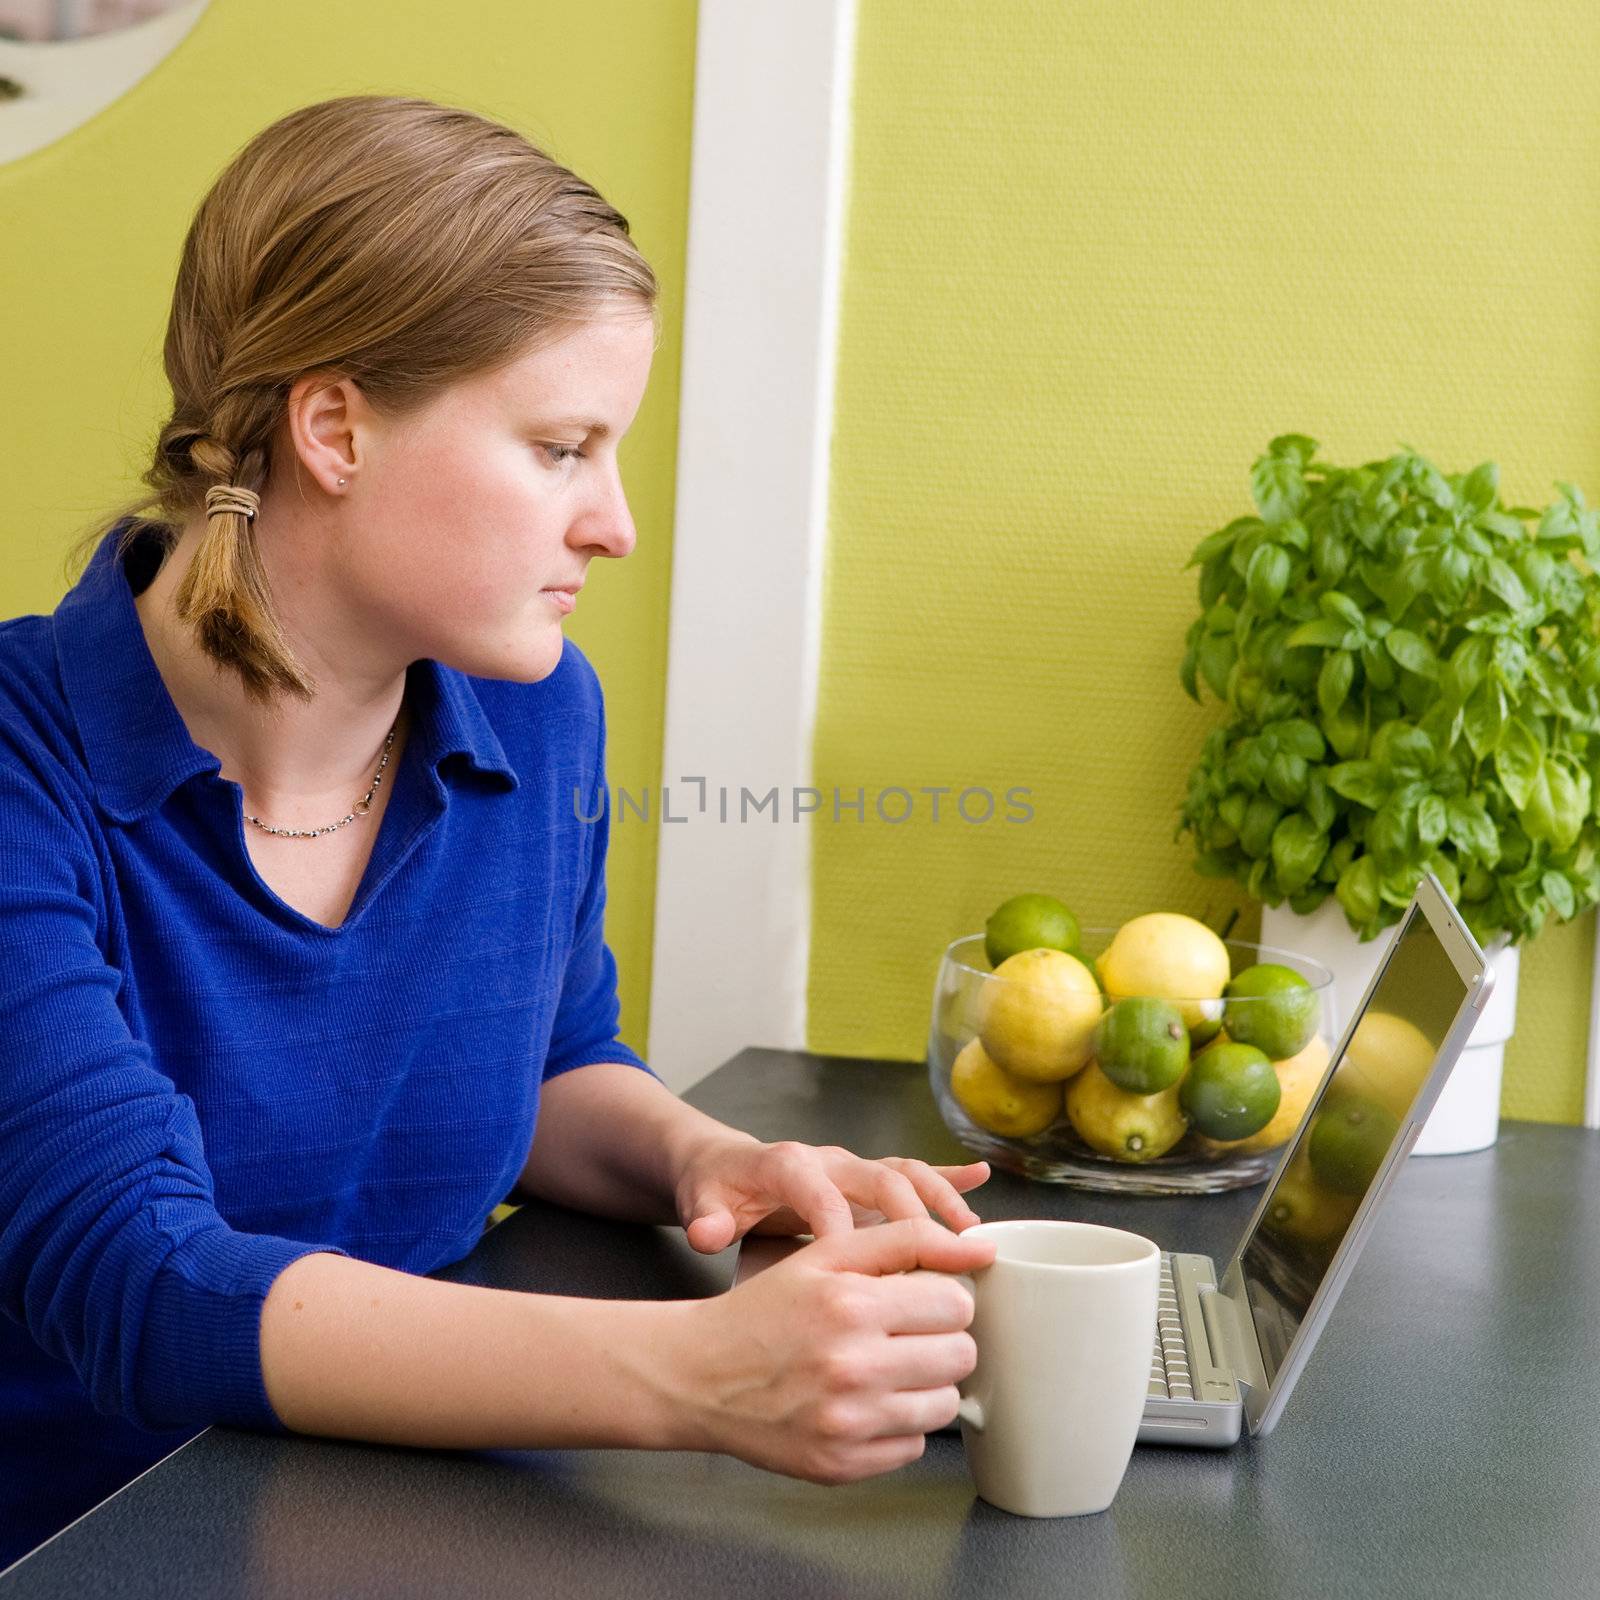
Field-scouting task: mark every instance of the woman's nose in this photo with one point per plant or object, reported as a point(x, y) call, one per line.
point(609, 528)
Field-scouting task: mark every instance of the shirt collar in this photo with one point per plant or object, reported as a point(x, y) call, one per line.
point(138, 748)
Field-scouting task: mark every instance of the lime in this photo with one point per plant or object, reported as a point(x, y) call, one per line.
point(1299, 1078)
point(1037, 1014)
point(1142, 1045)
point(1272, 1007)
point(1170, 956)
point(1348, 1142)
point(995, 1100)
point(1126, 1127)
point(1029, 922)
point(1231, 1091)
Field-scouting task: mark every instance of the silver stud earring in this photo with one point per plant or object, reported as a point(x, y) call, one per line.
point(341, 483)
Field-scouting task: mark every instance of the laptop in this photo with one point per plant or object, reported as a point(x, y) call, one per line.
point(1229, 1348)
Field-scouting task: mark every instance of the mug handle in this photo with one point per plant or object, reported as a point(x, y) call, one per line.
point(970, 1410)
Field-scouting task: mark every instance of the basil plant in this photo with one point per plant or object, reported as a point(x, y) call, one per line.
point(1411, 672)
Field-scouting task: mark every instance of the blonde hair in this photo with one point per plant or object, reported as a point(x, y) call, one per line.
point(403, 244)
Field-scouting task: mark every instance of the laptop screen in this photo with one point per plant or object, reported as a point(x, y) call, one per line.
point(1361, 1111)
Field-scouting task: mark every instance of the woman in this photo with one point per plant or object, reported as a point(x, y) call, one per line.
point(302, 891)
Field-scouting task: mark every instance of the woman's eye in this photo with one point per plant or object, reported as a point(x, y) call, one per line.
point(560, 452)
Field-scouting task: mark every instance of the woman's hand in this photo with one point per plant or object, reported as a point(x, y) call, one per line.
point(834, 1363)
point(734, 1185)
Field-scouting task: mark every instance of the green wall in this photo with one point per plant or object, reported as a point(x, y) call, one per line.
point(91, 227)
point(1097, 256)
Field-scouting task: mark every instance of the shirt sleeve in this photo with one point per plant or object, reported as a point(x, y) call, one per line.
point(112, 1253)
point(585, 1027)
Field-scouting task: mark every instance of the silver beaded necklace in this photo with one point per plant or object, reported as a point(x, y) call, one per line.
point(359, 809)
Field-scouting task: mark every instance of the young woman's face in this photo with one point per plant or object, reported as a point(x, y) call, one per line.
point(479, 516)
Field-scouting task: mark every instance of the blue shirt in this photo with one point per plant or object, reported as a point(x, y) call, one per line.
point(199, 1084)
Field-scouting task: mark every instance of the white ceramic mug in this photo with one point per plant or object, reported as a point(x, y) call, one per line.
point(1064, 1322)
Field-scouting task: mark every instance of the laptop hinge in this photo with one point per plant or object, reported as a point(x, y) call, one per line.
point(1232, 1338)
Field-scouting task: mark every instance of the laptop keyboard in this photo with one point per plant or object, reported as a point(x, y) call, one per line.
point(1169, 1365)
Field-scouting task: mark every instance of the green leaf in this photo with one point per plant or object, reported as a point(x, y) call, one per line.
point(1379, 668)
point(1471, 831)
point(1479, 488)
point(1267, 577)
point(1260, 818)
point(1298, 846)
point(1558, 890)
point(1217, 653)
point(1498, 522)
point(1286, 778)
point(1432, 823)
point(1323, 631)
point(1319, 801)
point(1449, 576)
point(1468, 663)
point(1357, 891)
point(1485, 716)
point(1295, 447)
point(1341, 608)
point(1502, 581)
point(1518, 758)
point(1215, 544)
point(1279, 487)
point(1345, 731)
point(1403, 748)
point(1334, 679)
point(1412, 651)
point(1330, 555)
point(1364, 782)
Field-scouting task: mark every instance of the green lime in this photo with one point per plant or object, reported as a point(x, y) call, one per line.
point(1272, 1007)
point(1349, 1141)
point(1142, 1045)
point(1231, 1091)
point(1029, 922)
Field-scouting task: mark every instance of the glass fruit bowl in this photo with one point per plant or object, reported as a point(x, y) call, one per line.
point(1013, 1059)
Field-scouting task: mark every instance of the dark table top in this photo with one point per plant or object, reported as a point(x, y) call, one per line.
point(1441, 1442)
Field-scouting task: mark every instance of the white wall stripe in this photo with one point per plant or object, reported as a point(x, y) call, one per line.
point(766, 224)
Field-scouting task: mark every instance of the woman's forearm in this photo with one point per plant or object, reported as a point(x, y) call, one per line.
point(611, 1140)
point(357, 1351)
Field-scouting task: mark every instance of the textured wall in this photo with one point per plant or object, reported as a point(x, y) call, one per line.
point(91, 227)
point(1098, 255)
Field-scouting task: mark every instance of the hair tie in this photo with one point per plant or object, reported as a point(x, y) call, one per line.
point(230, 497)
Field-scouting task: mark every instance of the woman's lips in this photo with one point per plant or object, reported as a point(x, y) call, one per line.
point(564, 600)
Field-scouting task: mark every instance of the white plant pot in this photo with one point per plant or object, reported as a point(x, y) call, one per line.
point(1466, 1115)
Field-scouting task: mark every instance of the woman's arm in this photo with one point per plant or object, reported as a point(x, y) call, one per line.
point(810, 1369)
point(612, 1140)
point(357, 1351)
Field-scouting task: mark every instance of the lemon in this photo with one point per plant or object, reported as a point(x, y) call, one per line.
point(1126, 1127)
point(1298, 1079)
point(1169, 956)
point(1386, 1060)
point(1029, 922)
point(995, 1100)
point(1304, 1211)
point(1037, 1015)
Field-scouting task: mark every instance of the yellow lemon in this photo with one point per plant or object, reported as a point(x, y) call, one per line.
point(995, 1100)
point(1306, 1212)
point(1298, 1077)
point(1037, 1014)
point(1126, 1127)
point(1386, 1060)
point(1171, 957)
